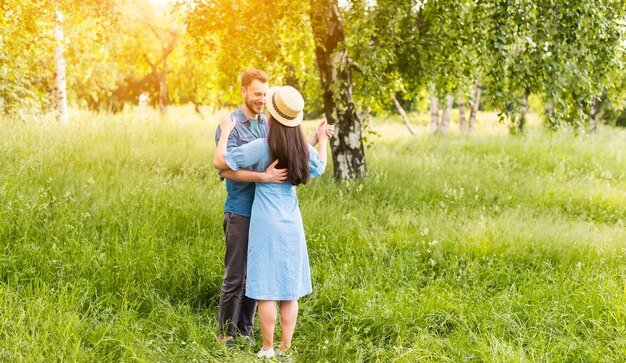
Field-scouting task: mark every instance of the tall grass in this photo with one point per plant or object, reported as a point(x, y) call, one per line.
point(487, 248)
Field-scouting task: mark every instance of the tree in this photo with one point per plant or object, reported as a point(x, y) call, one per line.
point(195, 79)
point(555, 48)
point(462, 122)
point(373, 35)
point(335, 70)
point(291, 34)
point(435, 44)
point(402, 113)
point(167, 40)
point(59, 57)
point(475, 103)
point(27, 55)
point(247, 34)
point(29, 44)
point(434, 110)
point(155, 32)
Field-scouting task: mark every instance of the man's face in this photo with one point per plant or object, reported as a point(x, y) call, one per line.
point(254, 96)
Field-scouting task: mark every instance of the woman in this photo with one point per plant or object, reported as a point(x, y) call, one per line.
point(278, 263)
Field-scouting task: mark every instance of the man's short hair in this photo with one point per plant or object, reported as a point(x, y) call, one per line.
point(252, 74)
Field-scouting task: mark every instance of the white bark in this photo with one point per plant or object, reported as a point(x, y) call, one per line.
point(60, 83)
point(445, 118)
point(402, 113)
point(475, 104)
point(434, 110)
point(462, 125)
point(523, 109)
point(595, 111)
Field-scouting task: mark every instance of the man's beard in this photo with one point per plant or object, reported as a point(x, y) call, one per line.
point(252, 106)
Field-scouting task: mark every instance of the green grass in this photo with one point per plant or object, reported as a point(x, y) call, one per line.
point(489, 249)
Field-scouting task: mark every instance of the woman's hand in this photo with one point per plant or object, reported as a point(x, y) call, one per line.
point(324, 131)
point(330, 129)
point(324, 127)
point(226, 124)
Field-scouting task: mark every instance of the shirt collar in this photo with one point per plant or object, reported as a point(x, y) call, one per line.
point(240, 116)
point(247, 122)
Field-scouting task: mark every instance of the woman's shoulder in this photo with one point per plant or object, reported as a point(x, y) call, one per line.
point(261, 148)
point(258, 144)
point(259, 141)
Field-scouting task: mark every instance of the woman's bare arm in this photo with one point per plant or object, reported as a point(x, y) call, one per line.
point(226, 126)
point(270, 175)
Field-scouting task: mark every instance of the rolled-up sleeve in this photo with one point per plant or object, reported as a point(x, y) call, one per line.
point(316, 165)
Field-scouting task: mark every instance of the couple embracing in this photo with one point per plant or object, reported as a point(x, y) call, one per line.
point(263, 158)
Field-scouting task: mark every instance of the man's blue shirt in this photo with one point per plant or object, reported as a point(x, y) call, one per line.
point(241, 194)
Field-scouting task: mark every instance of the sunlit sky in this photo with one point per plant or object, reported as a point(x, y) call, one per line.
point(341, 3)
point(161, 2)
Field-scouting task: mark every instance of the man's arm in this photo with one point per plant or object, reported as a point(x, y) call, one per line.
point(270, 175)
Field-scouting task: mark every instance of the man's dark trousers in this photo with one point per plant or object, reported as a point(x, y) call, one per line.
point(236, 310)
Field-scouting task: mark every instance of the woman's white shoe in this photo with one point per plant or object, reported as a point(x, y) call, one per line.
point(265, 353)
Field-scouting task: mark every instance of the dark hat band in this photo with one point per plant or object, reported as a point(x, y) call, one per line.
point(278, 111)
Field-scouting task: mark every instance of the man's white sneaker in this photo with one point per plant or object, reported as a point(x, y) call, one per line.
point(265, 353)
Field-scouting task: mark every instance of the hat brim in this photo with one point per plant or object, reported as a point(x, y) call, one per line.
point(270, 107)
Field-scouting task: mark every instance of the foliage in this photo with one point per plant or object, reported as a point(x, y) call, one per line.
point(247, 34)
point(569, 53)
point(27, 58)
point(21, 81)
point(405, 46)
point(562, 50)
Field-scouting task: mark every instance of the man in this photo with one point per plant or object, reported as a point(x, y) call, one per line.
point(236, 312)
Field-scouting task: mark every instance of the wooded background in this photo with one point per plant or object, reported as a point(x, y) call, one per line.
point(350, 59)
point(479, 238)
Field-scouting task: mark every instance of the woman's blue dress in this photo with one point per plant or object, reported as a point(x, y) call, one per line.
point(278, 262)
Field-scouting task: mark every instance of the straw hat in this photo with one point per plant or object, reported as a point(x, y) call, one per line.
point(285, 105)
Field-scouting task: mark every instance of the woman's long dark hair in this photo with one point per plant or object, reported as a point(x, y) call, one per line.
point(287, 144)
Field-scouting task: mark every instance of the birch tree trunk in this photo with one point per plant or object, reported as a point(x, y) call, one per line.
point(475, 104)
point(549, 117)
point(594, 113)
point(60, 81)
point(462, 125)
point(521, 122)
point(445, 118)
point(163, 94)
point(336, 80)
point(402, 113)
point(434, 111)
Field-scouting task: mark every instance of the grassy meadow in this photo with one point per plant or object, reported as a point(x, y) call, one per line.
point(488, 248)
